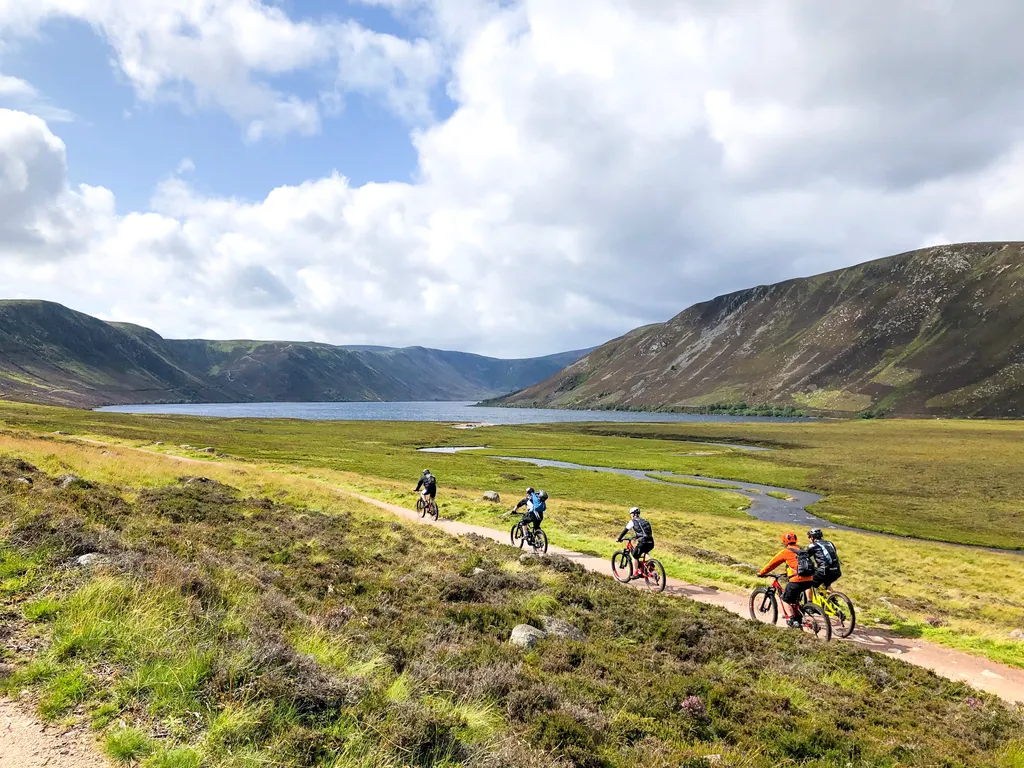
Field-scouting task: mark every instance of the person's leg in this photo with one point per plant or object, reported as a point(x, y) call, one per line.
point(639, 553)
point(791, 596)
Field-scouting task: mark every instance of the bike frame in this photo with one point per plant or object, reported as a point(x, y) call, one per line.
point(787, 611)
point(641, 561)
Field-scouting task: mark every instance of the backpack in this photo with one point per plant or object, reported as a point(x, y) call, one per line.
point(804, 564)
point(826, 560)
point(542, 495)
point(539, 504)
point(428, 481)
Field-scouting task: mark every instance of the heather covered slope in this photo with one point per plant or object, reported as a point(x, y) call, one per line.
point(938, 331)
point(53, 355)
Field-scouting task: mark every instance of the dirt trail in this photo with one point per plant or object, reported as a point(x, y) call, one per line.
point(998, 679)
point(27, 743)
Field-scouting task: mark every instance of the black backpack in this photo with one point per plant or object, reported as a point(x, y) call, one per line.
point(804, 564)
point(827, 560)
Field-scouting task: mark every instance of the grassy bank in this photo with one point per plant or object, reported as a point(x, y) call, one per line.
point(261, 619)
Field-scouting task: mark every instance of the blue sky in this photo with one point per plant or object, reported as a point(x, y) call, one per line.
point(127, 145)
point(600, 165)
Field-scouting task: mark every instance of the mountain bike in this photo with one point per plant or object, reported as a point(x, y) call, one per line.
point(426, 506)
point(837, 607)
point(652, 571)
point(522, 534)
point(764, 607)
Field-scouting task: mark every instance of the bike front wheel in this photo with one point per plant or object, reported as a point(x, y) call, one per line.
point(816, 623)
point(654, 576)
point(764, 605)
point(540, 542)
point(842, 614)
point(622, 566)
point(516, 535)
point(421, 507)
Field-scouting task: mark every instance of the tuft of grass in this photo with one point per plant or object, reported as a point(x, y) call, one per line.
point(126, 745)
point(181, 757)
point(63, 692)
point(43, 609)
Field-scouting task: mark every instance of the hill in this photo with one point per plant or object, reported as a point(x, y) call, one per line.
point(936, 331)
point(50, 354)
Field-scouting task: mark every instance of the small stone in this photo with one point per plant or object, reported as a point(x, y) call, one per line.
point(525, 636)
point(93, 560)
point(1017, 634)
point(157, 443)
point(66, 480)
point(185, 447)
point(492, 496)
point(23, 480)
point(556, 627)
point(477, 571)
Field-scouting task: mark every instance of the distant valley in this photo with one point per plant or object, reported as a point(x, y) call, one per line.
point(50, 354)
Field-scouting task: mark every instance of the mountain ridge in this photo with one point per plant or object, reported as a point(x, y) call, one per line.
point(934, 331)
point(51, 354)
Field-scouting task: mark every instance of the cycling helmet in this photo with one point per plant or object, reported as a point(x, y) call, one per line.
point(789, 538)
point(529, 491)
point(426, 471)
point(814, 533)
point(634, 512)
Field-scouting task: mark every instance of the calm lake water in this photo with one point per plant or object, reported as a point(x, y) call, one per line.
point(457, 412)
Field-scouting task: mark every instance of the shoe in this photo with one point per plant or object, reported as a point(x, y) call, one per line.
point(795, 623)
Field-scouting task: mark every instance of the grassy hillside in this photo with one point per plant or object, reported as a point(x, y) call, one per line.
point(935, 331)
point(51, 354)
point(259, 618)
point(952, 480)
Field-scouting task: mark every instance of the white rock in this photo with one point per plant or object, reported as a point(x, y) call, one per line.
point(1017, 634)
point(93, 560)
point(477, 571)
point(526, 636)
point(492, 496)
point(65, 480)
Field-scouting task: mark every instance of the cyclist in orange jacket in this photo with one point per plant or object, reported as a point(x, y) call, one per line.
point(797, 584)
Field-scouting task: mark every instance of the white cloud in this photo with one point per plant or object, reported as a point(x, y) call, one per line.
point(609, 163)
point(225, 54)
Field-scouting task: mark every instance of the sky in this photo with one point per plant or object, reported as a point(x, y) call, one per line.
point(506, 177)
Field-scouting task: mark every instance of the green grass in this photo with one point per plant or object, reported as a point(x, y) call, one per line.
point(387, 650)
point(693, 482)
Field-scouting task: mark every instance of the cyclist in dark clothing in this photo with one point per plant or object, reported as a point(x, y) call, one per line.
point(826, 560)
point(644, 536)
point(428, 483)
point(535, 507)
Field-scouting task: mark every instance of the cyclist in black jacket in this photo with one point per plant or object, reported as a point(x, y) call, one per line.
point(428, 483)
point(826, 560)
point(644, 536)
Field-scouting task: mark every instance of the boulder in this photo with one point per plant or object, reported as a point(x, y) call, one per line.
point(93, 560)
point(66, 480)
point(208, 450)
point(556, 627)
point(525, 636)
point(23, 480)
point(492, 496)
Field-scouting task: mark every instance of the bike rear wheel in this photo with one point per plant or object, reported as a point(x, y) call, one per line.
point(622, 566)
point(816, 623)
point(654, 576)
point(516, 535)
point(764, 605)
point(540, 542)
point(432, 509)
point(842, 614)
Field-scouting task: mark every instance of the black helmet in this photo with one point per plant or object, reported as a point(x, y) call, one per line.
point(426, 471)
point(634, 512)
point(529, 490)
point(814, 533)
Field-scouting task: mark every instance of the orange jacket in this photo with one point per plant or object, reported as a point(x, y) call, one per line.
point(787, 556)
